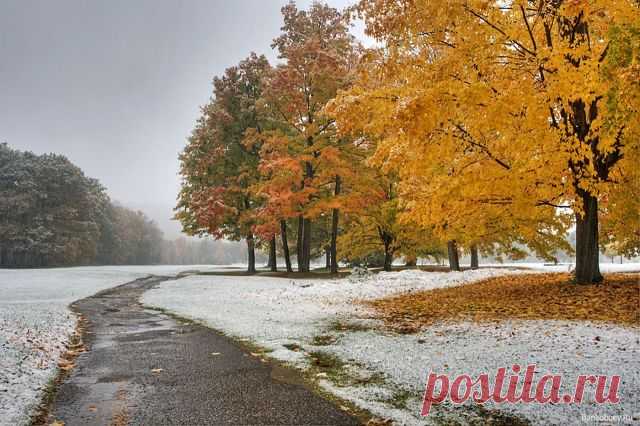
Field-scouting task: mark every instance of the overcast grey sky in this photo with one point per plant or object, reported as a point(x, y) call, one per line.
point(116, 85)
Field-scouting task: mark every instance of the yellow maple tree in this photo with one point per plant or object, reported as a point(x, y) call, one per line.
point(505, 120)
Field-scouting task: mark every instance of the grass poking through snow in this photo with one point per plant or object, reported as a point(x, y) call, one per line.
point(323, 340)
point(342, 326)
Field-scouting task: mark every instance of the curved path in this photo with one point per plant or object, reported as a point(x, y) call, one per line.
point(143, 367)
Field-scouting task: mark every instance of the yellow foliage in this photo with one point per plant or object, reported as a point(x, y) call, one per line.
point(500, 119)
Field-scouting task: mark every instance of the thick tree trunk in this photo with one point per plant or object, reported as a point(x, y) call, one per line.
point(452, 250)
point(334, 231)
point(388, 257)
point(387, 242)
point(285, 245)
point(251, 254)
point(587, 249)
point(306, 227)
point(306, 245)
point(299, 251)
point(334, 242)
point(327, 255)
point(273, 261)
point(474, 257)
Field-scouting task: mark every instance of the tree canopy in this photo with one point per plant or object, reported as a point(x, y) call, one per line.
point(492, 127)
point(53, 215)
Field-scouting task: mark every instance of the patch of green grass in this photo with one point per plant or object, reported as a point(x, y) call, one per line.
point(331, 365)
point(293, 347)
point(346, 326)
point(375, 378)
point(323, 340)
point(338, 371)
point(399, 399)
point(446, 414)
point(498, 418)
point(326, 360)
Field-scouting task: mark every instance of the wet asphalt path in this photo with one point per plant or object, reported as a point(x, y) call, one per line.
point(143, 367)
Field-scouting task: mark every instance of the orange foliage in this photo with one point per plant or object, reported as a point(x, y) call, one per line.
point(524, 297)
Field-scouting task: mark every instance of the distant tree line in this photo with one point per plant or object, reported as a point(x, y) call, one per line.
point(51, 214)
point(54, 215)
point(206, 251)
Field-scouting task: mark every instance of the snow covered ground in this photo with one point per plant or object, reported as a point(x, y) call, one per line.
point(318, 315)
point(568, 267)
point(35, 322)
point(606, 267)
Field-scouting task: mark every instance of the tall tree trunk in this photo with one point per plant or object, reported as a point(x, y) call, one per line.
point(306, 228)
point(306, 245)
point(474, 257)
point(299, 251)
point(587, 249)
point(251, 254)
point(334, 231)
point(285, 245)
point(388, 256)
point(452, 250)
point(327, 255)
point(387, 242)
point(273, 261)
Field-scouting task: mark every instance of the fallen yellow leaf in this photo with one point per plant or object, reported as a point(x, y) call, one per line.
point(526, 296)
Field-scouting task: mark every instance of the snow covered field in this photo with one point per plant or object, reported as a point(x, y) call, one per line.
point(607, 267)
point(280, 313)
point(35, 322)
point(273, 312)
point(568, 267)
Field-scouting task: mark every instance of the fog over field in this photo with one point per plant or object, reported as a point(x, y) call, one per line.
point(116, 86)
